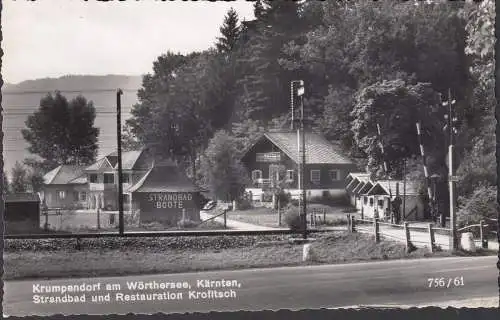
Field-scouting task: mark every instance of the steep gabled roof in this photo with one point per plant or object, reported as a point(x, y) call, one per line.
point(164, 177)
point(63, 174)
point(357, 175)
point(318, 149)
point(389, 186)
point(129, 159)
point(98, 164)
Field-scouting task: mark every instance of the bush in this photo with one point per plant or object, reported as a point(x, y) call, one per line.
point(186, 224)
point(132, 219)
point(244, 203)
point(480, 205)
point(267, 196)
point(293, 218)
point(284, 198)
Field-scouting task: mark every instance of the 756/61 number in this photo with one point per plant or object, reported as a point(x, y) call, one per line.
point(445, 282)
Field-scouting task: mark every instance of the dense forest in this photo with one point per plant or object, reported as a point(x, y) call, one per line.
point(364, 63)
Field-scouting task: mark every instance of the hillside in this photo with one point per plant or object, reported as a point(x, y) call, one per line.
point(22, 99)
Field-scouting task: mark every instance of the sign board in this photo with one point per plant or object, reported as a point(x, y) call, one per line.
point(454, 178)
point(161, 206)
point(268, 157)
point(169, 200)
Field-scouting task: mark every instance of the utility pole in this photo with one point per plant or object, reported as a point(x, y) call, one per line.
point(301, 147)
point(119, 93)
point(451, 130)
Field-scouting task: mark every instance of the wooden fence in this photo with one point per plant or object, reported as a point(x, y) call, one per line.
point(373, 226)
point(427, 233)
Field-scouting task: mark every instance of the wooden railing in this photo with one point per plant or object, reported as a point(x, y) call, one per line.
point(374, 225)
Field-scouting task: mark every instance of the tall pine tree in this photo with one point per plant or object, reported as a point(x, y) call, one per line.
point(230, 33)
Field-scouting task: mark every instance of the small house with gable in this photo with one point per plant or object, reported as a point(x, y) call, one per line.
point(325, 170)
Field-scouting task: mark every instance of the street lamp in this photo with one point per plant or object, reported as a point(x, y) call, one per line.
point(302, 156)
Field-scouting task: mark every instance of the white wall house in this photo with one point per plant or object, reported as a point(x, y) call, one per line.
point(372, 198)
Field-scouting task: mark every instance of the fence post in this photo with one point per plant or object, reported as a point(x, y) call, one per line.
point(376, 229)
point(484, 243)
point(349, 224)
point(98, 219)
point(225, 219)
point(324, 216)
point(46, 225)
point(279, 216)
point(353, 224)
point(362, 212)
point(407, 236)
point(431, 238)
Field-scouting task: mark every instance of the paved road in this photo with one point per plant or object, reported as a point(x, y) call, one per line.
point(375, 283)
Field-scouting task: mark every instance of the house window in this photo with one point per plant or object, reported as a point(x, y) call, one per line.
point(365, 199)
point(61, 194)
point(371, 202)
point(380, 203)
point(93, 178)
point(334, 175)
point(315, 176)
point(75, 195)
point(83, 196)
point(256, 174)
point(109, 178)
point(125, 178)
point(289, 175)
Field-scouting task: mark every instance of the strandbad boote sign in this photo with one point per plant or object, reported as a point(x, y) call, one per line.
point(166, 205)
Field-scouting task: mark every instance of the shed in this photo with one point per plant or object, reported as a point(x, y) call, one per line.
point(164, 193)
point(22, 212)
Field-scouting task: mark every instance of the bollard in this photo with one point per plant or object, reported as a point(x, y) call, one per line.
point(376, 230)
point(431, 238)
point(307, 253)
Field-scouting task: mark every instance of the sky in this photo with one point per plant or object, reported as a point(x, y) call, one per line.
point(51, 38)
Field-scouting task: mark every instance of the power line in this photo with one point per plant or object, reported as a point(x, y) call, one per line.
point(30, 113)
point(21, 92)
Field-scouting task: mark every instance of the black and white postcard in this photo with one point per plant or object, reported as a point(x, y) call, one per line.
point(197, 156)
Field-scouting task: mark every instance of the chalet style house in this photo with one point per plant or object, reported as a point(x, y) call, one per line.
point(325, 170)
point(157, 190)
